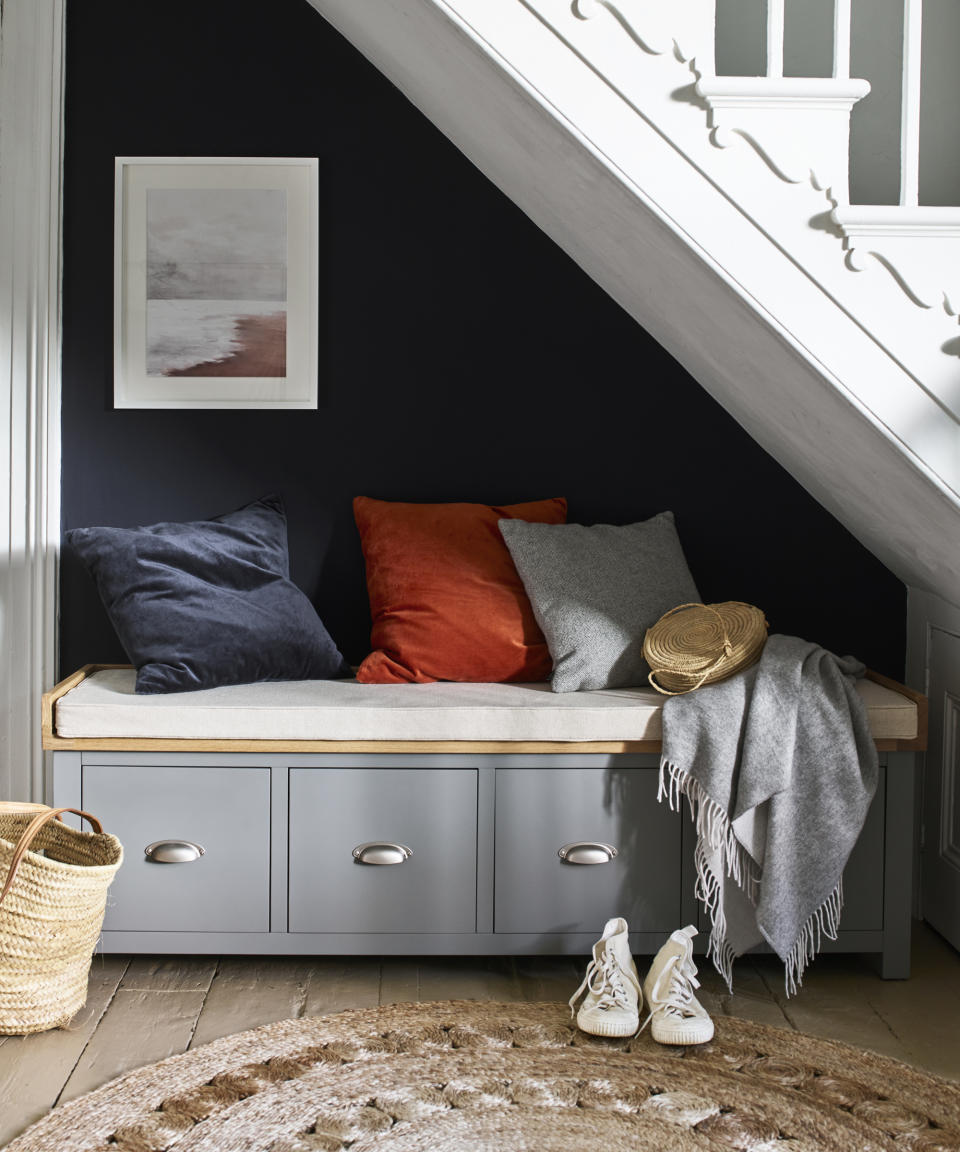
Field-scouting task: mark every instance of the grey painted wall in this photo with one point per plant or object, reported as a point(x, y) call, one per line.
point(740, 37)
point(876, 42)
point(939, 136)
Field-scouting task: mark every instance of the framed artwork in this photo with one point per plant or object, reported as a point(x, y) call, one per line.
point(215, 282)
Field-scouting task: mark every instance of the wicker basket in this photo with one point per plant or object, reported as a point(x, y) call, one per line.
point(54, 893)
point(697, 644)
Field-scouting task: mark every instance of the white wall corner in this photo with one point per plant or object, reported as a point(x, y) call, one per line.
point(31, 118)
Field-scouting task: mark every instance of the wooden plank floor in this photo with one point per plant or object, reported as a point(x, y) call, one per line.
point(142, 1009)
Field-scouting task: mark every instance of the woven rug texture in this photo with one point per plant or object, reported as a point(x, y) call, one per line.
point(469, 1075)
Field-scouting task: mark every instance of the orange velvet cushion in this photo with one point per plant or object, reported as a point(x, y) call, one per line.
point(446, 600)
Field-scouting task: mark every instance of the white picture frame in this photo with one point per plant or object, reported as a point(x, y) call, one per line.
point(216, 282)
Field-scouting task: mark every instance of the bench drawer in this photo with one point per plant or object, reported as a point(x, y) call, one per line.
point(433, 812)
point(540, 810)
point(225, 810)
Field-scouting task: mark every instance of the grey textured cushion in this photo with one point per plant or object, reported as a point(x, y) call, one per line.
point(596, 590)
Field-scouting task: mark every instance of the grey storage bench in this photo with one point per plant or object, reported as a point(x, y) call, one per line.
point(339, 818)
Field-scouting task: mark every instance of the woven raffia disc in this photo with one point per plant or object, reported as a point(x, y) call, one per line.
point(697, 644)
point(460, 1075)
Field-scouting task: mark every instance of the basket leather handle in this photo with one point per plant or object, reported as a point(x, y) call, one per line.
point(699, 684)
point(30, 833)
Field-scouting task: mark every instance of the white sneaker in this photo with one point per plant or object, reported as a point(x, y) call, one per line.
point(611, 1006)
point(677, 1015)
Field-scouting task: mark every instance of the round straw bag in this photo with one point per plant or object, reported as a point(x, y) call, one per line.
point(54, 892)
point(697, 644)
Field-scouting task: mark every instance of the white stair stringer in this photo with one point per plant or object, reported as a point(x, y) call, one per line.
point(800, 126)
point(919, 247)
point(795, 217)
point(604, 142)
point(782, 209)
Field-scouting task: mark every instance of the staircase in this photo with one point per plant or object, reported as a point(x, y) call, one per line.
point(714, 210)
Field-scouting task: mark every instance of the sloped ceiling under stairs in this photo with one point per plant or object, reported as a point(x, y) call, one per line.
point(631, 240)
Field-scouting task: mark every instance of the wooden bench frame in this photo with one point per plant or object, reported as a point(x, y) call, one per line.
point(893, 832)
point(54, 743)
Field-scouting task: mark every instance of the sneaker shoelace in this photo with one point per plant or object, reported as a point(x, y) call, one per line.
point(682, 982)
point(605, 981)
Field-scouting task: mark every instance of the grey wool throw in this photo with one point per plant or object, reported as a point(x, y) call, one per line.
point(779, 768)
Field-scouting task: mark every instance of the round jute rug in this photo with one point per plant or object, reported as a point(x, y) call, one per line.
point(467, 1075)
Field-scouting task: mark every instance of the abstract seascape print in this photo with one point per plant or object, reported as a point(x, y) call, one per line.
point(216, 282)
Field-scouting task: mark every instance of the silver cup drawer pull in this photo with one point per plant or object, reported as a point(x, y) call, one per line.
point(381, 852)
point(587, 852)
point(173, 851)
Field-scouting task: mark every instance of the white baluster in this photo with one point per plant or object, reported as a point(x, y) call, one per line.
point(841, 39)
point(910, 106)
point(775, 37)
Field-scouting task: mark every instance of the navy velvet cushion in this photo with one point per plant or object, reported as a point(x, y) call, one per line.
point(209, 602)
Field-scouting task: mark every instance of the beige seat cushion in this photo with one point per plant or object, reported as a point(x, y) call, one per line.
point(104, 706)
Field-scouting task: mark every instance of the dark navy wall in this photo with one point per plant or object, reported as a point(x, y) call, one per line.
point(462, 355)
